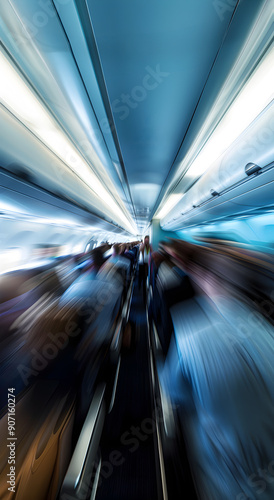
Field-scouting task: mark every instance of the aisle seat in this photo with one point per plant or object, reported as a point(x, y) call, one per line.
point(219, 373)
point(172, 286)
point(44, 423)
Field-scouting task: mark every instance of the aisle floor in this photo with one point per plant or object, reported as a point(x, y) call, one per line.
point(129, 436)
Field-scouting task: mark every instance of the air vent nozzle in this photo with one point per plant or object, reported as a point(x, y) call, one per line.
point(252, 168)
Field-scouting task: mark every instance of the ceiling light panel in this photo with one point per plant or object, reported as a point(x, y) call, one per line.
point(19, 99)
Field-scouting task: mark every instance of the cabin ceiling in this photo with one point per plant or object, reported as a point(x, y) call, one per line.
point(126, 78)
point(156, 57)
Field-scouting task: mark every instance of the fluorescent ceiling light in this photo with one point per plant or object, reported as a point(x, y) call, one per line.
point(37, 219)
point(8, 208)
point(10, 259)
point(22, 102)
point(172, 200)
point(255, 96)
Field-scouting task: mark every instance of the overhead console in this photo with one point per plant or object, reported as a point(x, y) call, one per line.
point(245, 197)
point(240, 178)
point(232, 151)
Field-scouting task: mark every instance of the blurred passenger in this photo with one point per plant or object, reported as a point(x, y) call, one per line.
point(157, 258)
point(129, 254)
point(92, 261)
point(92, 307)
point(219, 372)
point(118, 257)
point(97, 260)
point(116, 269)
point(134, 249)
point(172, 286)
point(144, 259)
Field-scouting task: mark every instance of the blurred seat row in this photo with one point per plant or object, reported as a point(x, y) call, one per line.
point(58, 322)
point(213, 352)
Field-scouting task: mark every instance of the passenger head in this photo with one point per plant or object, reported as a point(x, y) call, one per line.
point(97, 258)
point(164, 246)
point(146, 240)
point(116, 249)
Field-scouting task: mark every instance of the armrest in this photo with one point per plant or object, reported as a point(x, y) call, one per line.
point(79, 473)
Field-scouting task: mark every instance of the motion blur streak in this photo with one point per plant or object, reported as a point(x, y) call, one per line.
point(136, 250)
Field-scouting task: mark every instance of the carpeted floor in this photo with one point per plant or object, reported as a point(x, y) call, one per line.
point(130, 469)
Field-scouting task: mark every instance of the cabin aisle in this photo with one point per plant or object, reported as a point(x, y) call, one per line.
point(129, 436)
